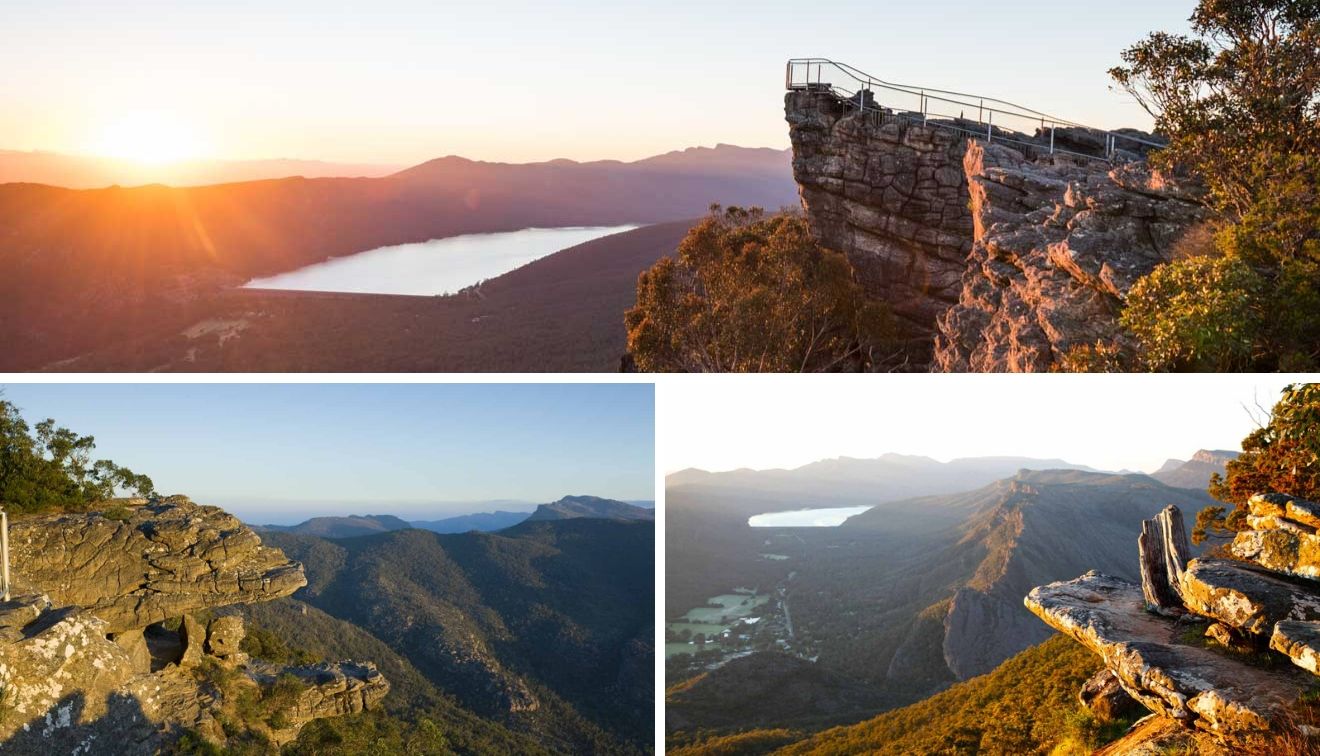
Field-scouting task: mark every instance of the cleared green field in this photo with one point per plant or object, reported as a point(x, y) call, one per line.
point(728, 606)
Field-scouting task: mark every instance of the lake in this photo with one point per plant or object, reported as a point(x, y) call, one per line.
point(439, 266)
point(826, 517)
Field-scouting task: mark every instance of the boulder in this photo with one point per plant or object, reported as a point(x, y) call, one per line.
point(134, 644)
point(1104, 695)
point(1300, 642)
point(330, 690)
point(164, 560)
point(193, 639)
point(224, 635)
point(1246, 598)
point(1180, 679)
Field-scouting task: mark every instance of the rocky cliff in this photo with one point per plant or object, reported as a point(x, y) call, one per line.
point(1222, 652)
point(106, 646)
point(994, 257)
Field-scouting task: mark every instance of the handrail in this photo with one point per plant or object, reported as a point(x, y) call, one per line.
point(1014, 120)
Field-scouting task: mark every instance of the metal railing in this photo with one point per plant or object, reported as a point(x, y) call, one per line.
point(995, 120)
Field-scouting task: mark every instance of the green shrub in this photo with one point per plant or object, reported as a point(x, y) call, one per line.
point(118, 513)
point(1201, 313)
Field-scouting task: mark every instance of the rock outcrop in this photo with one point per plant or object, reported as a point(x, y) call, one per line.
point(995, 257)
point(101, 651)
point(152, 562)
point(1206, 666)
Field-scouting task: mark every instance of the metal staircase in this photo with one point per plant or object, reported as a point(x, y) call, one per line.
point(995, 120)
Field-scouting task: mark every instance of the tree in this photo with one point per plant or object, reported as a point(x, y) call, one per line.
point(51, 467)
point(1242, 91)
point(1282, 456)
point(1239, 100)
point(755, 293)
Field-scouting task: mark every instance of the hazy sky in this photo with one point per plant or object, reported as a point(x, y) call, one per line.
point(1111, 422)
point(279, 453)
point(401, 81)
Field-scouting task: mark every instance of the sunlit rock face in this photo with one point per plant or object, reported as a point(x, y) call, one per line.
point(1207, 647)
point(994, 257)
point(151, 562)
point(100, 648)
point(893, 197)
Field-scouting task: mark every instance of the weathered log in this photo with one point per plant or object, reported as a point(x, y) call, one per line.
point(1163, 549)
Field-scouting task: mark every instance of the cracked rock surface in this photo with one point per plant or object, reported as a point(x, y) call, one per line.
point(167, 559)
point(995, 257)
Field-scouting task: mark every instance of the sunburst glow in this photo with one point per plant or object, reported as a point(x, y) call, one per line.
point(146, 137)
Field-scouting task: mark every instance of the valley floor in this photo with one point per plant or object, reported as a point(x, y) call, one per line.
point(562, 313)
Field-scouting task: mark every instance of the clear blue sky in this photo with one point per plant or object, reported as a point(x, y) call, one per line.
point(280, 452)
point(406, 80)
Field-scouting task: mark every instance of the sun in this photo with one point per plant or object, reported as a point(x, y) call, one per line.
point(147, 137)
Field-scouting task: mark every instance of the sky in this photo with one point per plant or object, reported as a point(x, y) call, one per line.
point(403, 81)
point(279, 453)
point(1109, 422)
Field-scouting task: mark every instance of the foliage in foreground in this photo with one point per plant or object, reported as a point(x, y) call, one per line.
point(1239, 99)
point(1027, 705)
point(750, 292)
point(48, 467)
point(1283, 456)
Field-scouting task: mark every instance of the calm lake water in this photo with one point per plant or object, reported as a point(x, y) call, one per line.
point(440, 266)
point(827, 517)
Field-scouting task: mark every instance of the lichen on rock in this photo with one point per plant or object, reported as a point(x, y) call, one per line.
point(102, 653)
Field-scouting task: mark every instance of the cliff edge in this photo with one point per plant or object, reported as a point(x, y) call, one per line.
point(993, 257)
point(102, 649)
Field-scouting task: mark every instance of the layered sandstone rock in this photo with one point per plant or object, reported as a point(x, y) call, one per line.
point(1284, 536)
point(87, 662)
point(1181, 680)
point(1218, 680)
point(996, 257)
point(892, 196)
point(1057, 246)
point(165, 559)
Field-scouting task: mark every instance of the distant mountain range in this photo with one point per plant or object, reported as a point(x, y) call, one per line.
point(90, 268)
point(851, 480)
point(92, 172)
point(1195, 472)
point(569, 507)
point(921, 590)
point(539, 638)
point(572, 507)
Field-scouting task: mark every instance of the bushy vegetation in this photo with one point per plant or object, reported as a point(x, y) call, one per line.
point(1027, 705)
point(739, 744)
point(1282, 456)
point(750, 292)
point(263, 644)
point(47, 467)
point(1239, 99)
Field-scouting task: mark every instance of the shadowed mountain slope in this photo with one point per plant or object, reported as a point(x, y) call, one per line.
point(914, 595)
point(545, 627)
point(88, 266)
